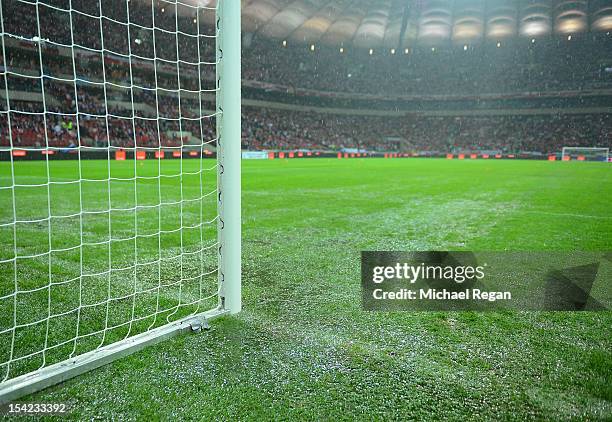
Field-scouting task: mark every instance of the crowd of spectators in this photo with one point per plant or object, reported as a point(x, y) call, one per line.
point(121, 27)
point(97, 124)
point(267, 129)
point(285, 130)
point(158, 121)
point(518, 65)
point(83, 67)
point(513, 65)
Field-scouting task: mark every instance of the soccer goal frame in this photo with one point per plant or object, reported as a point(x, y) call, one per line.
point(228, 124)
point(566, 151)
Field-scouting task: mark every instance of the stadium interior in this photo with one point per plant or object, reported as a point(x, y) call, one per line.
point(424, 77)
point(252, 247)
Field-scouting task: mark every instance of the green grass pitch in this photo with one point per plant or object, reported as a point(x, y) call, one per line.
point(302, 347)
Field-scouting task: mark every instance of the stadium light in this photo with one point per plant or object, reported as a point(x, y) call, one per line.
point(406, 50)
point(498, 44)
point(433, 49)
point(341, 49)
point(569, 37)
point(284, 43)
point(163, 10)
point(371, 51)
point(465, 47)
point(393, 51)
point(312, 47)
point(533, 41)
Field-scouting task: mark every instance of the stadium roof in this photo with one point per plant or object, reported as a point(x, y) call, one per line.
point(390, 23)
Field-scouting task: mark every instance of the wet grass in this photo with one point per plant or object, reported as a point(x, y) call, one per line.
point(303, 348)
point(120, 227)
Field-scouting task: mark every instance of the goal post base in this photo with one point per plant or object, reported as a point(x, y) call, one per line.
point(54, 374)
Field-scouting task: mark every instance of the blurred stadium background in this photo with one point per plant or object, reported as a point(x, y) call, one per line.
point(427, 77)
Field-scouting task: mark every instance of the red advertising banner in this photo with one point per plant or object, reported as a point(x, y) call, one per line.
point(473, 156)
point(552, 158)
point(566, 158)
point(120, 155)
point(176, 154)
point(461, 156)
point(339, 155)
point(271, 155)
point(291, 154)
point(141, 155)
point(581, 158)
point(159, 154)
point(281, 155)
point(449, 156)
point(300, 154)
point(485, 156)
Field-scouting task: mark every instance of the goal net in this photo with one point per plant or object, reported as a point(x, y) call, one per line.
point(585, 154)
point(119, 179)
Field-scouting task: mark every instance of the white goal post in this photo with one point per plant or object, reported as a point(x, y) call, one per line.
point(167, 283)
point(585, 153)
